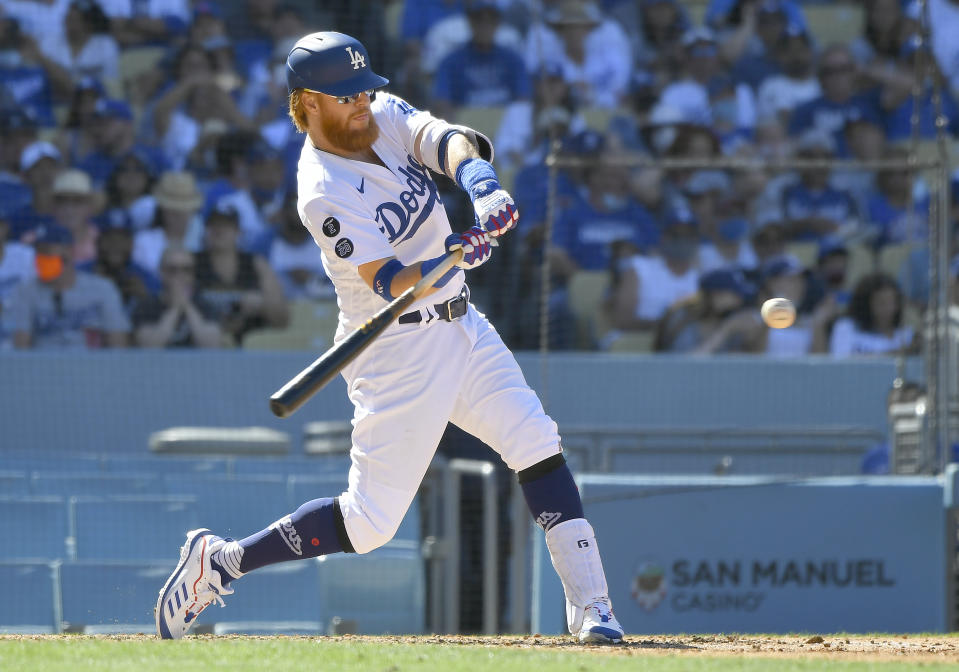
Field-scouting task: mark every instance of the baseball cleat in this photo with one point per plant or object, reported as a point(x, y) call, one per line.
point(191, 588)
point(600, 625)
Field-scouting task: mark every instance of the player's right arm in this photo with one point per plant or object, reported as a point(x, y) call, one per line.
point(389, 277)
point(344, 232)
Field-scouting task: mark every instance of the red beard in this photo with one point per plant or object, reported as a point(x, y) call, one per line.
point(344, 139)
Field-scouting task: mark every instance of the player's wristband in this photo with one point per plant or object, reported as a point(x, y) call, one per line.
point(430, 264)
point(383, 280)
point(476, 177)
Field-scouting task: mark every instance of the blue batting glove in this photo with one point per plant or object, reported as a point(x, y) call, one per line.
point(494, 208)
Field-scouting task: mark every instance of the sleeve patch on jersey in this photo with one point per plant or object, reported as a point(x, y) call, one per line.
point(331, 227)
point(343, 247)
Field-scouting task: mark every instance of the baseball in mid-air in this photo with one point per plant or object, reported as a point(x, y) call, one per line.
point(778, 313)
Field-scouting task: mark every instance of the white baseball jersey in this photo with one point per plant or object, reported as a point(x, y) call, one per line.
point(359, 212)
point(414, 378)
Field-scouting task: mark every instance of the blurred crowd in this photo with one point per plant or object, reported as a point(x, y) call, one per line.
point(147, 166)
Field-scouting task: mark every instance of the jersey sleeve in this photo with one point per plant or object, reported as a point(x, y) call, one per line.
point(406, 120)
point(424, 135)
point(344, 232)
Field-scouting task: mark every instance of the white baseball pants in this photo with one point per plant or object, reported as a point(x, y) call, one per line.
point(405, 388)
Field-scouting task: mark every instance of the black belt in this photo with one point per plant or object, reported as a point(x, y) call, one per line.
point(446, 311)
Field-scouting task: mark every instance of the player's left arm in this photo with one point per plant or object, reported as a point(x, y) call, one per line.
point(462, 154)
point(494, 207)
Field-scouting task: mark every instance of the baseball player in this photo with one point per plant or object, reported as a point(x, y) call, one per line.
point(367, 197)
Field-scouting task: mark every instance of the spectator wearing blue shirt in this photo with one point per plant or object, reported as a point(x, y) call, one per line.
point(76, 135)
point(17, 131)
point(896, 94)
point(865, 140)
point(896, 213)
point(532, 181)
point(832, 268)
point(114, 138)
point(240, 157)
point(23, 85)
point(839, 99)
point(480, 73)
point(914, 274)
point(417, 19)
point(607, 224)
point(811, 208)
point(752, 46)
point(40, 163)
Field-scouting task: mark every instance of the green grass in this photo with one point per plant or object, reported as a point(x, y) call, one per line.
point(82, 654)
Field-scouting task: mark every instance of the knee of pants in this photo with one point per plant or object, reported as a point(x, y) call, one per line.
point(367, 530)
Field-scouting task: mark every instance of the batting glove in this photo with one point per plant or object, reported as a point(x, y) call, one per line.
point(496, 212)
point(476, 246)
point(494, 207)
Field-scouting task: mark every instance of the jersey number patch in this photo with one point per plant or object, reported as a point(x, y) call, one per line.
point(331, 227)
point(344, 248)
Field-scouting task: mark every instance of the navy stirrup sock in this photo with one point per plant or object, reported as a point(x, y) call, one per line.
point(550, 492)
point(308, 532)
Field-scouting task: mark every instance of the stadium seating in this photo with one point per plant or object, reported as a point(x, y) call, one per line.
point(33, 528)
point(100, 597)
point(587, 289)
point(862, 262)
point(893, 257)
point(311, 327)
point(14, 483)
point(834, 22)
point(67, 484)
point(233, 507)
point(130, 527)
point(483, 119)
point(382, 591)
point(29, 603)
point(278, 598)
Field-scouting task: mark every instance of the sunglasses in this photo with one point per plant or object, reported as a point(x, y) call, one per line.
point(349, 100)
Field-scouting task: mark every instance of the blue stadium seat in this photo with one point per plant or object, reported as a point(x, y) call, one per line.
point(282, 598)
point(29, 603)
point(162, 464)
point(14, 483)
point(303, 488)
point(94, 484)
point(318, 465)
point(112, 597)
point(131, 527)
point(234, 507)
point(33, 528)
point(383, 591)
point(47, 462)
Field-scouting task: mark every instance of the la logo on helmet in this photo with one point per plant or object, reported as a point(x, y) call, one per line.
point(357, 60)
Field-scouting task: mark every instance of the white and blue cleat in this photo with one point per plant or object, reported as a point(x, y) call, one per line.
point(600, 625)
point(193, 586)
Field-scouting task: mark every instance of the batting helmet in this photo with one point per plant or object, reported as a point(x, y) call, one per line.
point(331, 63)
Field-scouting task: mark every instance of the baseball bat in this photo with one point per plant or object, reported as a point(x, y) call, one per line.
point(311, 379)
